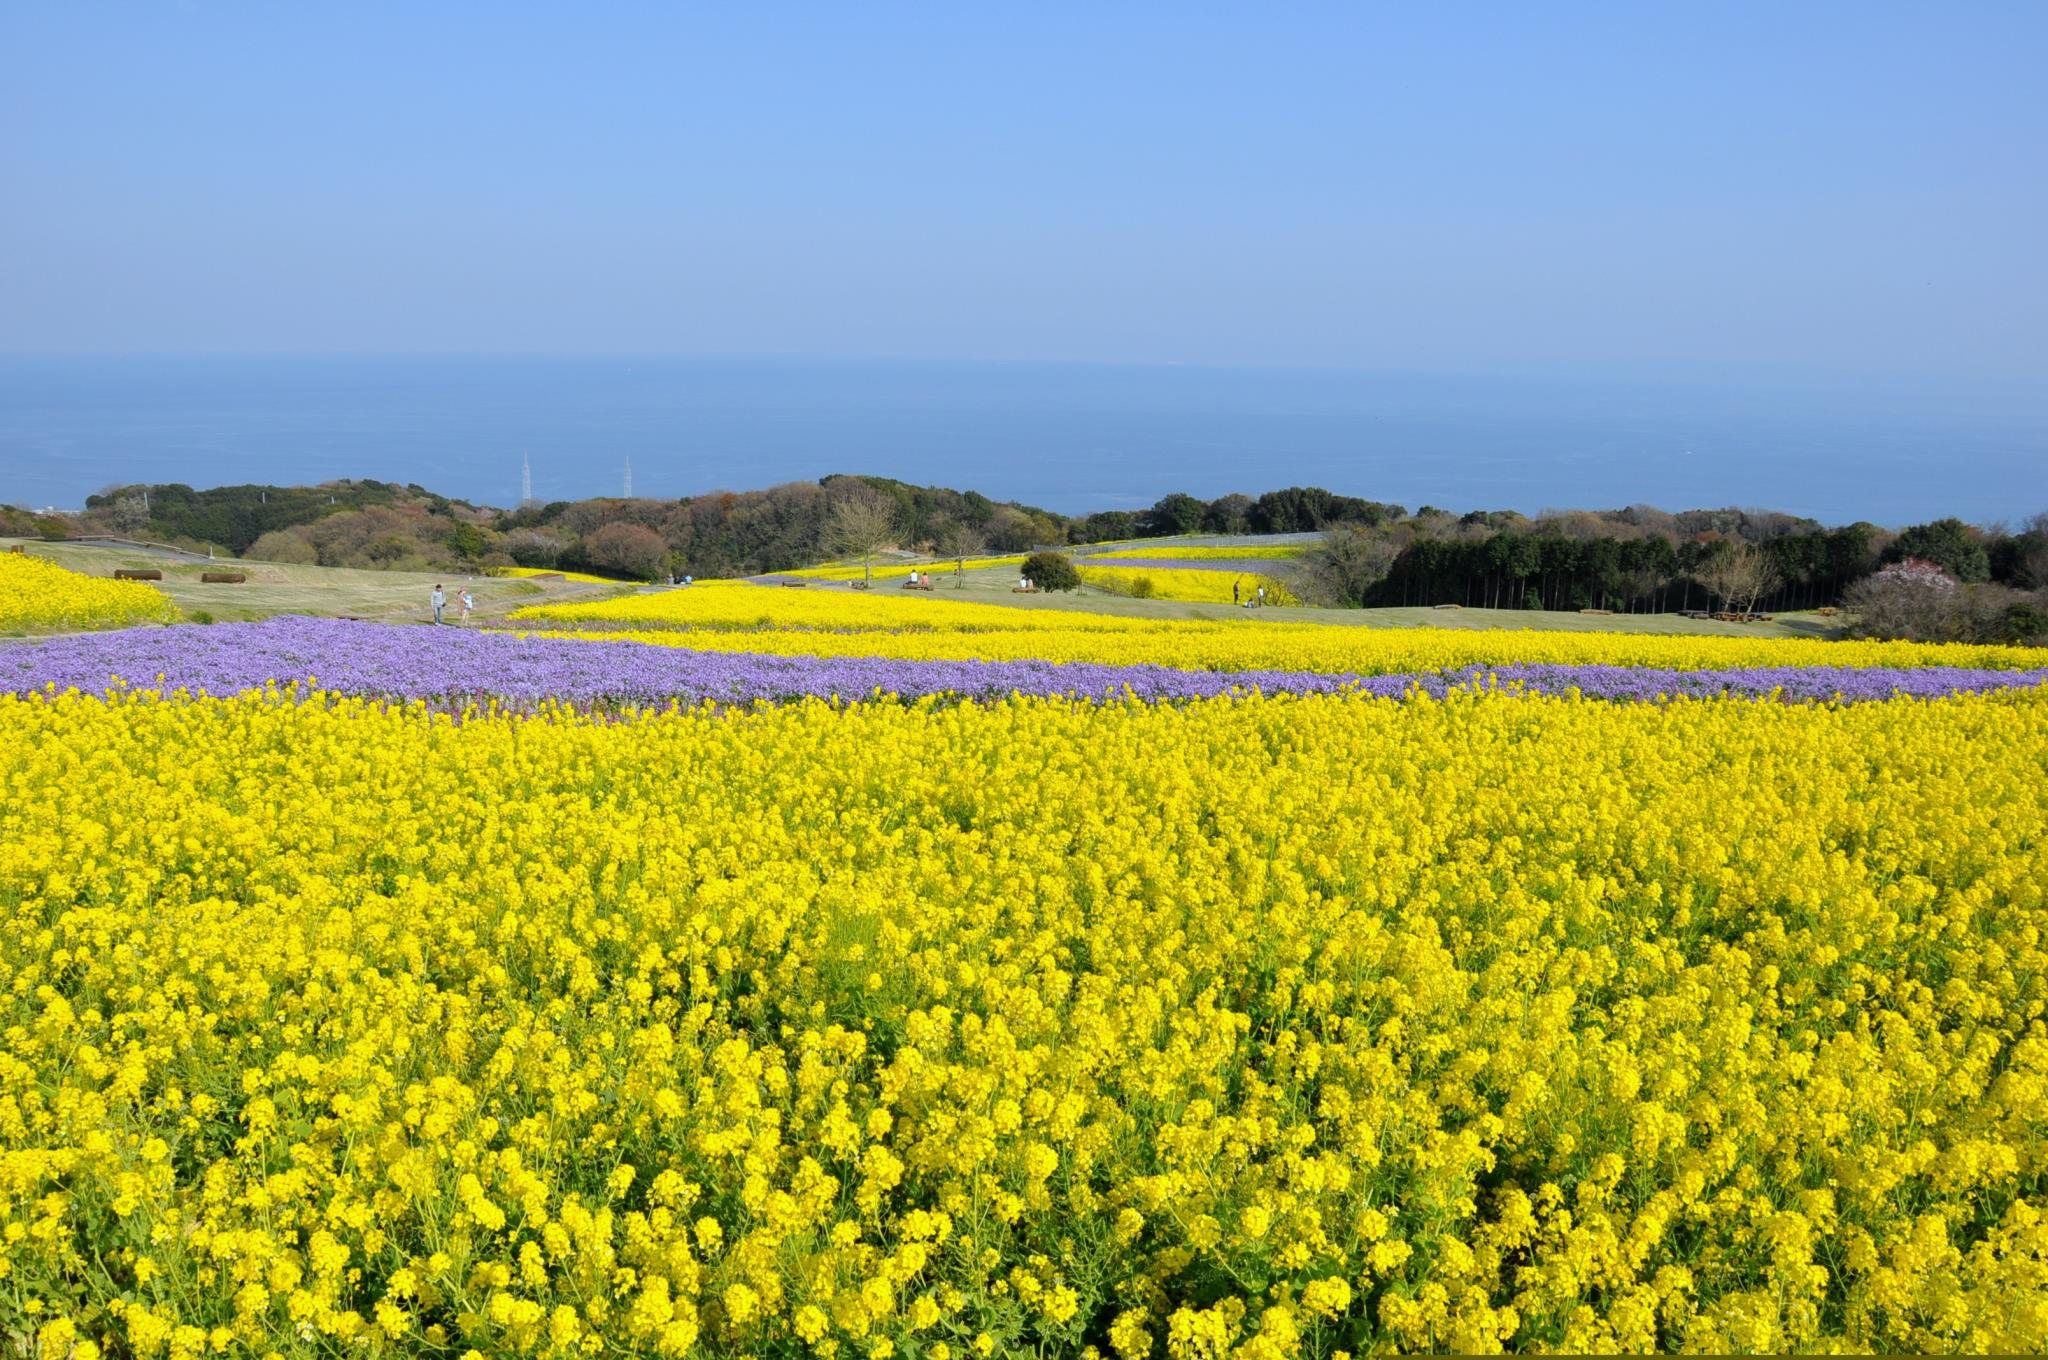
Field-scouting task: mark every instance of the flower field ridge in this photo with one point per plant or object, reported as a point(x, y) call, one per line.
point(441, 663)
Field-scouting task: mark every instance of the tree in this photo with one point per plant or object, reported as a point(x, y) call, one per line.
point(285, 545)
point(1949, 544)
point(128, 514)
point(1108, 526)
point(1178, 513)
point(1011, 530)
point(468, 542)
point(960, 542)
point(2030, 554)
point(861, 526)
point(955, 539)
point(1051, 571)
point(1345, 567)
point(1228, 514)
point(533, 547)
point(628, 549)
point(1913, 599)
point(1741, 576)
point(1298, 509)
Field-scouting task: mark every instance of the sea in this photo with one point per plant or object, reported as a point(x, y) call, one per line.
point(1068, 437)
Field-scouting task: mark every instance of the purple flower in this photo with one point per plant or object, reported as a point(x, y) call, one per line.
point(452, 664)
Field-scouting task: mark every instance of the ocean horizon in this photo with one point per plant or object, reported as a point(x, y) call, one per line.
point(1069, 437)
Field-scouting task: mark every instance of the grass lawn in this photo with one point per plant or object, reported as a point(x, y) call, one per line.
point(277, 588)
point(994, 586)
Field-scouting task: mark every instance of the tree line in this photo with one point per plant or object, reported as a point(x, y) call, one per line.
point(1366, 552)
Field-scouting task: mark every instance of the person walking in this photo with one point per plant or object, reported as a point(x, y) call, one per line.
point(468, 603)
point(438, 599)
point(1262, 595)
point(1233, 592)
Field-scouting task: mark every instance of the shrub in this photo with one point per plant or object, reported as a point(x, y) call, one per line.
point(2025, 621)
point(1050, 571)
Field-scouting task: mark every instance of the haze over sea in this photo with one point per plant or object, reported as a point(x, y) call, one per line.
point(1071, 437)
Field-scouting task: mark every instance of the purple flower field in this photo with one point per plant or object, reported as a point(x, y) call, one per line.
point(457, 664)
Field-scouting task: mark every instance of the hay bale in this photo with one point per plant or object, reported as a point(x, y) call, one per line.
point(137, 574)
point(222, 578)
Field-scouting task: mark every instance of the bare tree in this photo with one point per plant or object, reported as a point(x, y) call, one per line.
point(861, 526)
point(2034, 559)
point(960, 541)
point(1349, 561)
point(1741, 576)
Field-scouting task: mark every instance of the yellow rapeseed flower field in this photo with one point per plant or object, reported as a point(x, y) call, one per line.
point(909, 626)
point(524, 573)
point(1185, 552)
point(1245, 1027)
point(39, 594)
point(1187, 583)
point(894, 571)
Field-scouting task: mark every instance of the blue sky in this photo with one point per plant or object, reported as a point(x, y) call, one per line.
point(1560, 188)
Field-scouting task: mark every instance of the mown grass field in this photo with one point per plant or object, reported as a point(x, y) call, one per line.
point(278, 588)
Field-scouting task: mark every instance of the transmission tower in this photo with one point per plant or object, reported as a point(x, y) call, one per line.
point(629, 478)
point(525, 480)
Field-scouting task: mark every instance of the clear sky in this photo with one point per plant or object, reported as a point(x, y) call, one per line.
point(1544, 188)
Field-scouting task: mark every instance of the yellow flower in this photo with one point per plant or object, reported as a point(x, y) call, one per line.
point(1495, 1022)
point(39, 594)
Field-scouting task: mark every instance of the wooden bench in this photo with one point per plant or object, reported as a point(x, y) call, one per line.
point(222, 578)
point(917, 585)
point(799, 585)
point(1023, 590)
point(137, 574)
